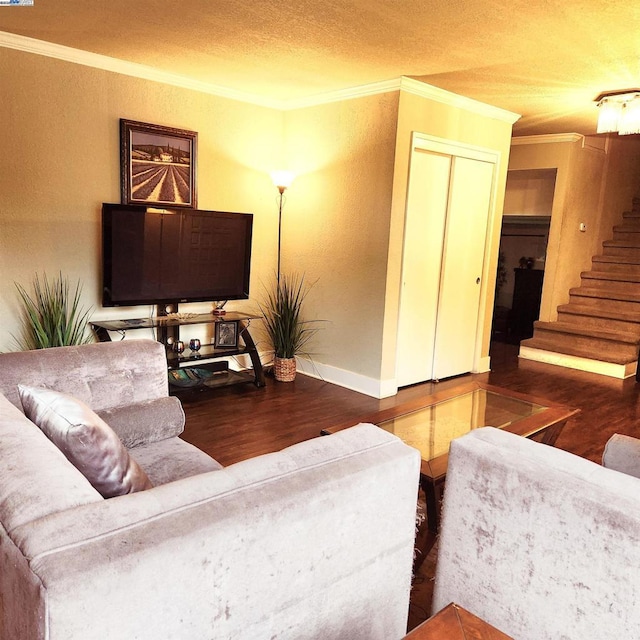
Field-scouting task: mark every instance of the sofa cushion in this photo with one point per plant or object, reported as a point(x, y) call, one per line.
point(85, 439)
point(172, 459)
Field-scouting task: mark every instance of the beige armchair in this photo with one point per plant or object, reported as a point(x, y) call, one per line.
point(622, 453)
point(540, 543)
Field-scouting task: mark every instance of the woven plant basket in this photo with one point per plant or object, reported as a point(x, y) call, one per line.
point(284, 369)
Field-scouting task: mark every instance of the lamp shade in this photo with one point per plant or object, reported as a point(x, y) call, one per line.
point(608, 115)
point(630, 117)
point(282, 179)
point(619, 111)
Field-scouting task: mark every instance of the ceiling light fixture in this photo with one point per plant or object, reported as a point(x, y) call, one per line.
point(619, 111)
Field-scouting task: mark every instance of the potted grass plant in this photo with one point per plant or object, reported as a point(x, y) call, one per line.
point(53, 317)
point(287, 331)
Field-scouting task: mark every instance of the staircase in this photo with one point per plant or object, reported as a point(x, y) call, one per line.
point(599, 329)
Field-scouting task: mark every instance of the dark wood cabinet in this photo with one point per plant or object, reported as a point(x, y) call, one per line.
point(525, 308)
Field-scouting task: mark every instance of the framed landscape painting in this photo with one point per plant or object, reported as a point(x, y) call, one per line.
point(158, 165)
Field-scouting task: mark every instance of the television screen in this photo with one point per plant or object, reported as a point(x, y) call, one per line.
point(153, 256)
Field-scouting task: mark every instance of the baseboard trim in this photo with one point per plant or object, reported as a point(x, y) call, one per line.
point(484, 365)
point(348, 379)
point(620, 371)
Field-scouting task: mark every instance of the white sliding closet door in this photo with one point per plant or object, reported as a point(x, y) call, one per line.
point(461, 276)
point(427, 200)
point(448, 204)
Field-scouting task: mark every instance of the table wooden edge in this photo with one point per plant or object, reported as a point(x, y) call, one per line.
point(455, 623)
point(436, 397)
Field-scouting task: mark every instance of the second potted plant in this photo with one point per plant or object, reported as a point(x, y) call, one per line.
point(287, 331)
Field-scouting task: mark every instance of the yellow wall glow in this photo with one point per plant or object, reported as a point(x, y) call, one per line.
point(343, 215)
point(336, 223)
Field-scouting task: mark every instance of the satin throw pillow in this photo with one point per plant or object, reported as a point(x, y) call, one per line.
point(87, 441)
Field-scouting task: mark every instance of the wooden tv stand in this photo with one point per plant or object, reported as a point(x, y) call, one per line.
point(167, 330)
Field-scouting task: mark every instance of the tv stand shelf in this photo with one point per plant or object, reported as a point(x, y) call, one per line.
point(168, 333)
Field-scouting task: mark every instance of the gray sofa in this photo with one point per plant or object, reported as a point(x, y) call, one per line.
point(315, 541)
point(542, 544)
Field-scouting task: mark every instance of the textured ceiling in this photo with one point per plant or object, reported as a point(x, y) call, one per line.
point(544, 59)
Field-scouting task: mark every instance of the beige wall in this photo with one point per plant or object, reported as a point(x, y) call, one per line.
point(60, 133)
point(622, 182)
point(336, 224)
point(427, 116)
point(592, 184)
point(343, 217)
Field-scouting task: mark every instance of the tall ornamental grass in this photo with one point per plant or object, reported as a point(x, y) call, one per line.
point(53, 317)
point(281, 310)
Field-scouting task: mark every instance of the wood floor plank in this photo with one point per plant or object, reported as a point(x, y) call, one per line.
point(239, 422)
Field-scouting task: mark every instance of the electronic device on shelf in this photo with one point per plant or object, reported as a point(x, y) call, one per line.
point(160, 256)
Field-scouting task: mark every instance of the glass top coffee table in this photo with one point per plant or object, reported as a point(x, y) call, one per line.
point(430, 424)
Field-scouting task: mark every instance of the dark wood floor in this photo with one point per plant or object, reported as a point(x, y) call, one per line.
point(242, 421)
point(235, 423)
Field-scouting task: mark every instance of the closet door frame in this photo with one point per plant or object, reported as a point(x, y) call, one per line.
point(432, 144)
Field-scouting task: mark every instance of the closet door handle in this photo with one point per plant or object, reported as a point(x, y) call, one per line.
point(477, 280)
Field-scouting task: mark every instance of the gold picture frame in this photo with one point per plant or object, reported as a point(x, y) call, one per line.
point(158, 165)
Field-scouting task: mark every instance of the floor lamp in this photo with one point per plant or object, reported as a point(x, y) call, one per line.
point(282, 180)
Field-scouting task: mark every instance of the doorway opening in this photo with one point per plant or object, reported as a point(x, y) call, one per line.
point(523, 248)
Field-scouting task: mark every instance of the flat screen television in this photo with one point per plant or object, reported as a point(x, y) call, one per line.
point(163, 256)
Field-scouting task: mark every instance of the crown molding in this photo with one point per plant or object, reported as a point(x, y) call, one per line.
point(547, 138)
point(417, 87)
point(372, 89)
point(106, 63)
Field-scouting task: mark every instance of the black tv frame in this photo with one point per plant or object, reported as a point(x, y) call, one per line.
point(108, 300)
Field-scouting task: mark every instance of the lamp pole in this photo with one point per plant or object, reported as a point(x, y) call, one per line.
point(282, 180)
point(281, 190)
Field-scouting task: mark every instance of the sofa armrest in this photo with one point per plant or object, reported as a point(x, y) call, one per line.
point(622, 453)
point(146, 422)
point(35, 477)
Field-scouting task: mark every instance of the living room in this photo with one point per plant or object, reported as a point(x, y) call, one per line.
point(343, 219)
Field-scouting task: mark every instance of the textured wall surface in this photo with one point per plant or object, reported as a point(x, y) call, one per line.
point(61, 124)
point(342, 222)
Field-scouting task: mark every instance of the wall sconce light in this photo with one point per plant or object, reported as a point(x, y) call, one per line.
point(282, 180)
point(619, 111)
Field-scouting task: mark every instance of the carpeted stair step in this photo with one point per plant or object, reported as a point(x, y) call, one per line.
point(592, 277)
point(632, 242)
point(634, 212)
point(611, 293)
point(629, 236)
point(628, 264)
point(609, 248)
point(577, 340)
point(577, 330)
point(606, 298)
point(599, 318)
point(570, 349)
point(630, 226)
